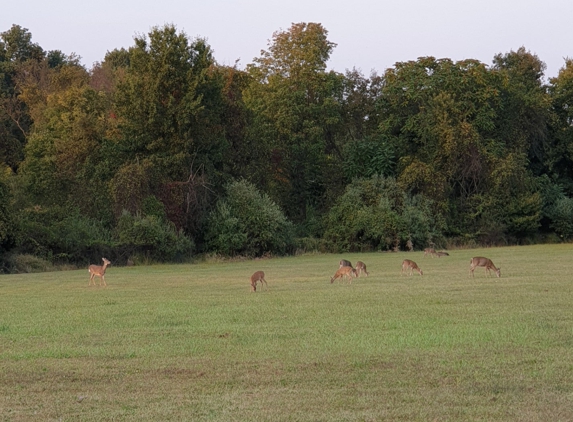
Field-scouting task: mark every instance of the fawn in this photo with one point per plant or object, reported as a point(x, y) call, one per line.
point(348, 272)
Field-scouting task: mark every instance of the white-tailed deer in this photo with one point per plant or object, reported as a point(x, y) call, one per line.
point(429, 251)
point(260, 277)
point(347, 272)
point(344, 263)
point(98, 270)
point(442, 253)
point(410, 265)
point(480, 261)
point(361, 268)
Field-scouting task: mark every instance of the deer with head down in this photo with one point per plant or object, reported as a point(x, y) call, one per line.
point(410, 265)
point(480, 261)
point(342, 272)
point(258, 276)
point(98, 270)
point(361, 268)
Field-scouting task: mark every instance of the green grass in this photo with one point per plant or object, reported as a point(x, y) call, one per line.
point(191, 342)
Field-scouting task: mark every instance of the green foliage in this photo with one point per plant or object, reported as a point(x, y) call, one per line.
point(559, 158)
point(296, 108)
point(157, 103)
point(525, 106)
point(21, 264)
point(153, 237)
point(61, 234)
point(159, 129)
point(365, 158)
point(562, 217)
point(376, 214)
point(7, 229)
point(18, 46)
point(247, 222)
point(17, 55)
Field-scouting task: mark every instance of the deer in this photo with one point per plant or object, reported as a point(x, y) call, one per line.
point(347, 272)
point(361, 268)
point(260, 277)
point(410, 265)
point(98, 270)
point(442, 253)
point(344, 263)
point(480, 261)
point(429, 251)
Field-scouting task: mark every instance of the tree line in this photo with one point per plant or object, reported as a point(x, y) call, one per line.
point(158, 152)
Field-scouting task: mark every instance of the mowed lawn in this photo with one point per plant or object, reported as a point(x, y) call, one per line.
point(191, 342)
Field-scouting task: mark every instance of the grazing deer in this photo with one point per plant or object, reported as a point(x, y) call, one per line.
point(410, 265)
point(480, 261)
point(348, 272)
point(98, 270)
point(344, 263)
point(429, 251)
point(361, 268)
point(260, 277)
point(439, 254)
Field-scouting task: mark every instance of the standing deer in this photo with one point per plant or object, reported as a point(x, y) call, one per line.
point(347, 272)
point(260, 277)
point(429, 251)
point(361, 268)
point(480, 261)
point(344, 263)
point(410, 265)
point(98, 270)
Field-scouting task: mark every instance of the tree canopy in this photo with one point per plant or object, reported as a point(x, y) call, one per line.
point(160, 151)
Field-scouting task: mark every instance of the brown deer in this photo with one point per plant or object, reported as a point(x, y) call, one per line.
point(480, 261)
point(347, 272)
point(410, 265)
point(260, 277)
point(361, 268)
point(442, 253)
point(344, 263)
point(98, 270)
point(429, 251)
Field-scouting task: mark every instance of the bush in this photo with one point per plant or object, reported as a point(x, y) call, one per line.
point(152, 236)
point(249, 223)
point(61, 234)
point(562, 217)
point(19, 264)
point(377, 214)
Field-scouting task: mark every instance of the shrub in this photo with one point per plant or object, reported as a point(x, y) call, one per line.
point(62, 234)
point(249, 223)
point(19, 264)
point(152, 236)
point(377, 214)
point(562, 217)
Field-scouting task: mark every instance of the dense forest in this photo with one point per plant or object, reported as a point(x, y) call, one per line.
point(158, 153)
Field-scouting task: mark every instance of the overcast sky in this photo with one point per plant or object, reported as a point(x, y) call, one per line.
point(370, 34)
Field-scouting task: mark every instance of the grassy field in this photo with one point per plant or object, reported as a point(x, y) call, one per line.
point(190, 342)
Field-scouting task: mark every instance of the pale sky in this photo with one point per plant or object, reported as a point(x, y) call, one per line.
point(370, 34)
